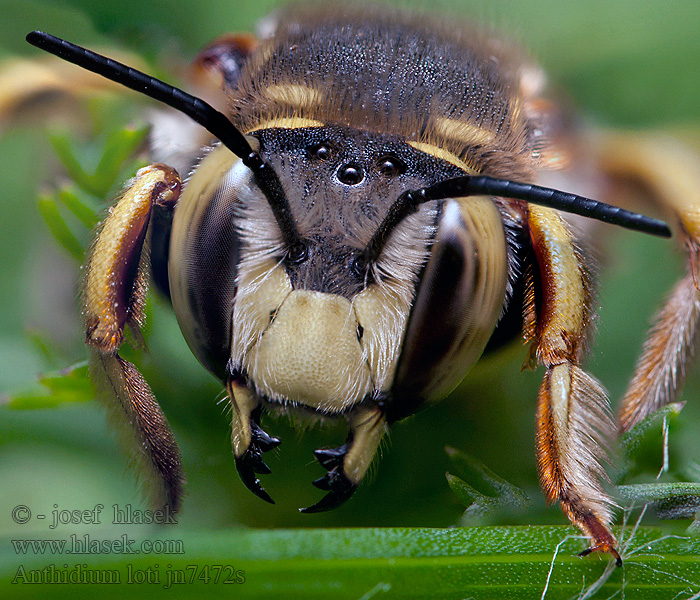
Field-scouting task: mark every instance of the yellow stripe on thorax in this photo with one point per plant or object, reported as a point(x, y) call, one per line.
point(443, 154)
point(286, 123)
point(463, 131)
point(299, 96)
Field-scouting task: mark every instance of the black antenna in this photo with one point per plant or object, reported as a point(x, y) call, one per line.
point(203, 113)
point(459, 187)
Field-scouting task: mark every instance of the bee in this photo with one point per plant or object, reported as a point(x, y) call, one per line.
point(366, 212)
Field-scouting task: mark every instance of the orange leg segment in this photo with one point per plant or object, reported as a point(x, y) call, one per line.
point(574, 421)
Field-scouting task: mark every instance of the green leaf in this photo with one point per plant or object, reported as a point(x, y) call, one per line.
point(632, 438)
point(86, 214)
point(48, 209)
point(496, 491)
point(474, 562)
point(54, 388)
point(65, 147)
point(669, 500)
point(119, 147)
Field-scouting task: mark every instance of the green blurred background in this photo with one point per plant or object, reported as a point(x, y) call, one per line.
point(625, 65)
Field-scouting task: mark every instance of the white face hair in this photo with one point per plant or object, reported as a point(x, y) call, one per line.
point(363, 231)
point(324, 350)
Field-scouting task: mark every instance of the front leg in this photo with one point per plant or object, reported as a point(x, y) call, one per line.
point(114, 296)
point(248, 438)
point(348, 464)
point(574, 421)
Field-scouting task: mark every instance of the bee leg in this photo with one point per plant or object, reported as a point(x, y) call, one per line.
point(218, 66)
point(48, 88)
point(670, 174)
point(114, 296)
point(248, 438)
point(573, 421)
point(347, 464)
point(175, 138)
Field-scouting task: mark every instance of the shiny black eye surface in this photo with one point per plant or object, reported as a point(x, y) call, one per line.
point(321, 151)
point(350, 174)
point(391, 166)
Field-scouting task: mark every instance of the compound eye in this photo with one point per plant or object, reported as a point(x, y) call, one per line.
point(321, 151)
point(351, 174)
point(457, 304)
point(391, 166)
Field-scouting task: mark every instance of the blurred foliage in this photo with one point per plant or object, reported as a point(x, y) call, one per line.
point(53, 389)
point(480, 490)
point(622, 67)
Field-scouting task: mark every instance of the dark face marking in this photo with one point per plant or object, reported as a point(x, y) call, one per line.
point(340, 182)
